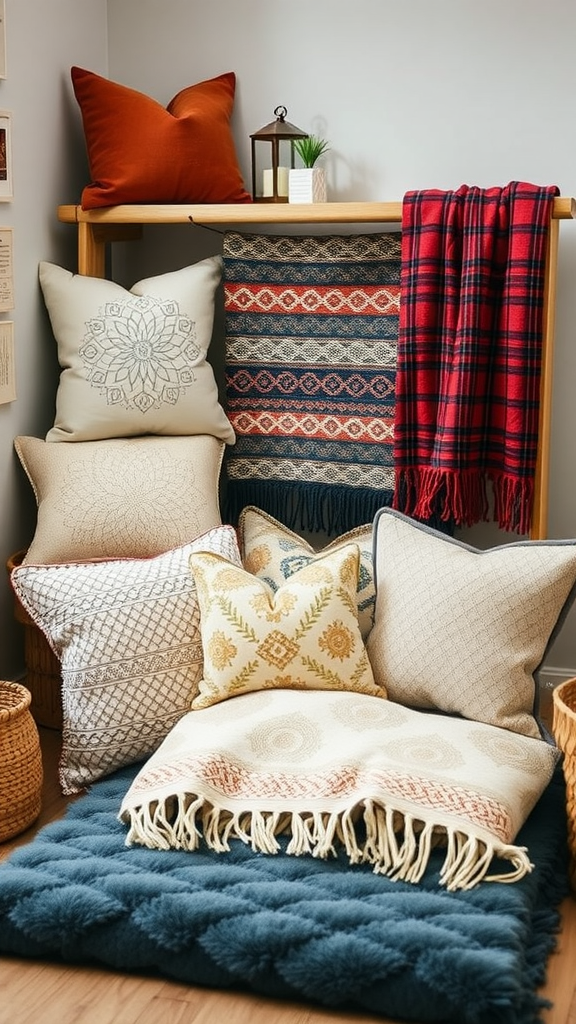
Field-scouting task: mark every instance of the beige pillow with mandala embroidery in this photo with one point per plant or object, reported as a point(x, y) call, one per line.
point(122, 497)
point(304, 635)
point(134, 362)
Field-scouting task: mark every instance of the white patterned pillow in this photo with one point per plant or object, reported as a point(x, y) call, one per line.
point(132, 497)
point(305, 635)
point(134, 362)
point(461, 630)
point(273, 553)
point(127, 632)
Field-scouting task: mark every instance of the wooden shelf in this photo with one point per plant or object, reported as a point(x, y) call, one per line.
point(96, 228)
point(242, 213)
point(260, 213)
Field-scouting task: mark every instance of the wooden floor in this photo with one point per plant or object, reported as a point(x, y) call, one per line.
point(39, 993)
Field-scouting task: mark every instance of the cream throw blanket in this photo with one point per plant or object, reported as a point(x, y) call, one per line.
point(343, 770)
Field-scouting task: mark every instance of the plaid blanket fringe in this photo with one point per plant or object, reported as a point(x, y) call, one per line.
point(469, 353)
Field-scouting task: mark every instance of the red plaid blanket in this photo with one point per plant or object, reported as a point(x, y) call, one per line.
point(469, 352)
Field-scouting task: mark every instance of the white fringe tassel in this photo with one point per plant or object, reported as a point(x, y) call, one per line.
point(397, 845)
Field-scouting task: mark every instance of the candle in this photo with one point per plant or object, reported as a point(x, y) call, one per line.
point(282, 182)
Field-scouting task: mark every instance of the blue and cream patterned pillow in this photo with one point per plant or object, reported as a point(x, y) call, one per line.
point(273, 553)
point(134, 362)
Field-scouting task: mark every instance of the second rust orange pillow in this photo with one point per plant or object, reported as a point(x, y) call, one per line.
point(142, 152)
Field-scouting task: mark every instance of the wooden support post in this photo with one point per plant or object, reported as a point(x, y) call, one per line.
point(91, 252)
point(539, 529)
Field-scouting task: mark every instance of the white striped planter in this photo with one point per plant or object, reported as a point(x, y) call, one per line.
point(307, 185)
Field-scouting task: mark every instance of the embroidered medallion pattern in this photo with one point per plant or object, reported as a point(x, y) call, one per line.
point(140, 352)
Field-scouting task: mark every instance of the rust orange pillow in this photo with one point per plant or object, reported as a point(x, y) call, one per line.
point(142, 152)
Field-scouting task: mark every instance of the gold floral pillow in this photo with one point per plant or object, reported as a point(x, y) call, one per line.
point(304, 635)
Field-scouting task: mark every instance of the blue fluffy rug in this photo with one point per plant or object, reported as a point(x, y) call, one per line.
point(288, 927)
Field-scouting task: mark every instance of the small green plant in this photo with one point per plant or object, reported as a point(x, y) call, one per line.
point(310, 148)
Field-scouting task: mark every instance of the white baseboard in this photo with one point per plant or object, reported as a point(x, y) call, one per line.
point(550, 676)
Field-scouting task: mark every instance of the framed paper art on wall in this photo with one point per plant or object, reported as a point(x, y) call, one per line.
point(6, 269)
point(7, 362)
point(2, 38)
point(6, 192)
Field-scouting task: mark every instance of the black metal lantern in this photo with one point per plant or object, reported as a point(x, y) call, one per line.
point(272, 158)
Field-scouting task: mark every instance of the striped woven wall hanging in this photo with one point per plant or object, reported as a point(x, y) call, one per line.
point(311, 336)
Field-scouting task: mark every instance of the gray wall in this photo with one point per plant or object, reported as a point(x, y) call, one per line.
point(411, 94)
point(44, 37)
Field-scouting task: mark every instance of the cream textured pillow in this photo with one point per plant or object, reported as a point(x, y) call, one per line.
point(273, 552)
point(129, 497)
point(134, 362)
point(127, 633)
point(462, 630)
point(303, 636)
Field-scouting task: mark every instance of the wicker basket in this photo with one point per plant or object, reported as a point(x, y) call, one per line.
point(43, 676)
point(564, 729)
point(20, 762)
